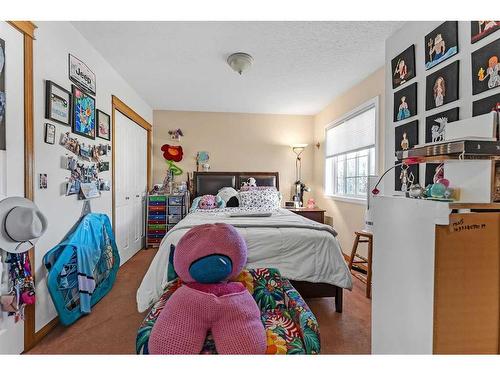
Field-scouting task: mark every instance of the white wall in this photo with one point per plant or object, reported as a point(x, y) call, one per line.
point(54, 40)
point(414, 33)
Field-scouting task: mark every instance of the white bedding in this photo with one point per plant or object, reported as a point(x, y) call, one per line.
point(300, 248)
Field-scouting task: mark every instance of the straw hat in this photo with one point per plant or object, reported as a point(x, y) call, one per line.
point(21, 224)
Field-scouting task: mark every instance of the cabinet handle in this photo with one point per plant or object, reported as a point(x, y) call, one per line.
point(127, 198)
point(137, 196)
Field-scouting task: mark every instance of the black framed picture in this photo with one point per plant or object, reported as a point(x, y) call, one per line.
point(57, 103)
point(403, 67)
point(84, 121)
point(486, 68)
point(406, 136)
point(405, 176)
point(486, 105)
point(480, 29)
point(50, 134)
point(441, 43)
point(405, 102)
point(433, 172)
point(442, 86)
point(435, 125)
point(81, 75)
point(103, 125)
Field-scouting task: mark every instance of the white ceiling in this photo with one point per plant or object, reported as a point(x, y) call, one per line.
point(299, 67)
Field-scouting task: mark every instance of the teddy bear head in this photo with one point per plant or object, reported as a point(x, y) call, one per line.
point(208, 202)
point(210, 253)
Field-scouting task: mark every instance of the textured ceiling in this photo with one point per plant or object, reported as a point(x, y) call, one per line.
point(299, 67)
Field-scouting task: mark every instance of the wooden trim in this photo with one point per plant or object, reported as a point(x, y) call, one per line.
point(25, 27)
point(42, 333)
point(475, 206)
point(120, 106)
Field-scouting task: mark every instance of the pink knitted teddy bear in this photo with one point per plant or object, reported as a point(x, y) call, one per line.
point(206, 257)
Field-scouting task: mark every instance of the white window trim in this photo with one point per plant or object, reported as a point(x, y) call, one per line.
point(374, 102)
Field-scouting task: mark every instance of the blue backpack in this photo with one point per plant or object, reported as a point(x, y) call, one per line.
point(88, 252)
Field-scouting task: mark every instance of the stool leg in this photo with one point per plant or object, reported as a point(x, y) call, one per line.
point(369, 273)
point(353, 251)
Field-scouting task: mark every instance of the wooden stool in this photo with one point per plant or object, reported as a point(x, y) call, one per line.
point(364, 264)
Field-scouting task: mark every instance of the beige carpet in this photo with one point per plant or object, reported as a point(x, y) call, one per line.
point(112, 325)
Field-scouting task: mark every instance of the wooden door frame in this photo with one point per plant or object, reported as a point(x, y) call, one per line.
point(27, 28)
point(120, 106)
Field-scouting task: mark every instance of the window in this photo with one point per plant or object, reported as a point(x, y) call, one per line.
point(350, 153)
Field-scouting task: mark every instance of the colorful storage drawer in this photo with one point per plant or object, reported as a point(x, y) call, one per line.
point(174, 219)
point(157, 198)
point(175, 210)
point(175, 200)
point(163, 212)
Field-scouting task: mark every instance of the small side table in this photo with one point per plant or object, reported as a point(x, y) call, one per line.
point(315, 214)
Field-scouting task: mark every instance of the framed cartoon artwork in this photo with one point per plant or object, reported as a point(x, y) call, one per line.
point(433, 172)
point(405, 176)
point(81, 75)
point(3, 134)
point(481, 29)
point(403, 67)
point(441, 43)
point(57, 103)
point(84, 121)
point(442, 86)
point(406, 136)
point(435, 125)
point(486, 105)
point(405, 103)
point(103, 125)
point(50, 134)
point(486, 68)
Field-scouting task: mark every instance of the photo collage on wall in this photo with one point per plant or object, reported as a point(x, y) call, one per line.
point(3, 142)
point(77, 110)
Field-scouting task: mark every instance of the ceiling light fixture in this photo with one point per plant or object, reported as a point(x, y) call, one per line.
point(240, 62)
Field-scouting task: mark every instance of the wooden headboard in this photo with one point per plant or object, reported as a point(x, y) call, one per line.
point(211, 182)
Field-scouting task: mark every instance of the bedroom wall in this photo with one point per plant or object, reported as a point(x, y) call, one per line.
point(54, 40)
point(414, 33)
point(236, 142)
point(346, 217)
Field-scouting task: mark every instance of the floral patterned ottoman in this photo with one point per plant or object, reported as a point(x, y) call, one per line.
point(290, 325)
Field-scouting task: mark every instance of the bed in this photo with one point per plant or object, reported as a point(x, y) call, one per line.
point(305, 252)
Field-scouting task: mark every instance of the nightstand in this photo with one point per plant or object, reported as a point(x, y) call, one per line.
point(315, 214)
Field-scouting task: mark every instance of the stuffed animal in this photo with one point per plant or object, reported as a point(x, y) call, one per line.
point(207, 202)
point(230, 196)
point(206, 258)
point(251, 182)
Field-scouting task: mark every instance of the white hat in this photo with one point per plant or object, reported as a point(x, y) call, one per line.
point(21, 224)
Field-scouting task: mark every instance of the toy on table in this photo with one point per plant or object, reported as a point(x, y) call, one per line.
point(311, 203)
point(206, 258)
point(251, 182)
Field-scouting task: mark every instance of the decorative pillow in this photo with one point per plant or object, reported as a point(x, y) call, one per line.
point(264, 199)
point(229, 196)
point(248, 188)
point(207, 202)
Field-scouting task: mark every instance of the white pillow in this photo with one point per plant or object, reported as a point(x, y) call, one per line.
point(227, 193)
point(265, 199)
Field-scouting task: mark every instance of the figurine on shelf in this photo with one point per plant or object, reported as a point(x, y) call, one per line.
point(311, 203)
point(416, 191)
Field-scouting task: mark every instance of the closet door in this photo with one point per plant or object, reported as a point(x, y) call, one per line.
point(130, 185)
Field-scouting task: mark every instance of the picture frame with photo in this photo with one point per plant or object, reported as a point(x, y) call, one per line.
point(103, 125)
point(481, 29)
point(81, 75)
point(406, 136)
point(57, 103)
point(442, 86)
point(405, 103)
point(50, 133)
point(403, 67)
point(404, 176)
point(486, 105)
point(84, 119)
point(433, 173)
point(486, 68)
point(441, 44)
point(435, 125)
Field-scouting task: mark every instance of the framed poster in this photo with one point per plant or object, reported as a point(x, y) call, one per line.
point(435, 125)
point(486, 105)
point(57, 103)
point(442, 86)
point(481, 29)
point(486, 68)
point(405, 176)
point(433, 172)
point(405, 103)
point(406, 136)
point(3, 141)
point(50, 134)
point(81, 75)
point(84, 121)
point(441, 43)
point(403, 67)
point(103, 125)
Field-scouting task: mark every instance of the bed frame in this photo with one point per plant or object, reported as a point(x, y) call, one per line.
point(210, 183)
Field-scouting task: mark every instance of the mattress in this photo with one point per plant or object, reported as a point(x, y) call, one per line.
point(299, 248)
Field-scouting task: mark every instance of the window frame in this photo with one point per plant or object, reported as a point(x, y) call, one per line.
point(372, 103)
